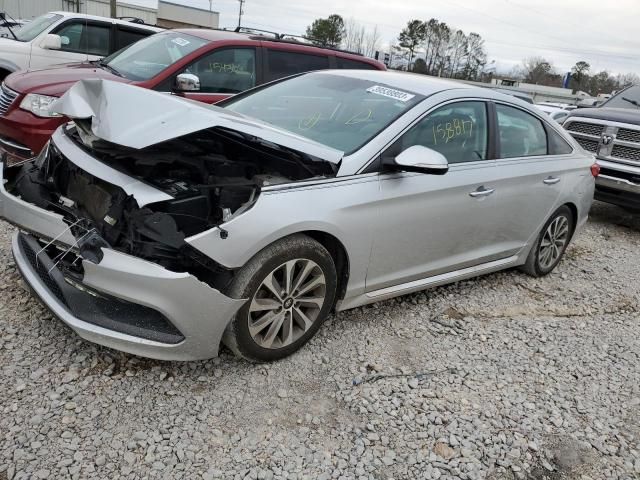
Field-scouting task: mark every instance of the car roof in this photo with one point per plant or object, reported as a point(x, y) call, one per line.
point(218, 35)
point(142, 26)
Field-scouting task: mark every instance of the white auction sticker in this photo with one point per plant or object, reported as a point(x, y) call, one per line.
point(180, 41)
point(391, 93)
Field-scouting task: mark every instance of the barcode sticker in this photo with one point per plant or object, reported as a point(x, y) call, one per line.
point(391, 93)
point(180, 41)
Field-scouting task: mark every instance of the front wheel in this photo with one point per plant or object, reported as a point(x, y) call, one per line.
point(551, 243)
point(291, 287)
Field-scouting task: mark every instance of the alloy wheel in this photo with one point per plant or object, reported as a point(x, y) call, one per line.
point(553, 242)
point(287, 303)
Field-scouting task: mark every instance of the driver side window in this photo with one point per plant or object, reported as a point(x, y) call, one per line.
point(230, 70)
point(457, 130)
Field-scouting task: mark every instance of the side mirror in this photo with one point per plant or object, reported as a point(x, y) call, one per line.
point(187, 82)
point(52, 42)
point(419, 159)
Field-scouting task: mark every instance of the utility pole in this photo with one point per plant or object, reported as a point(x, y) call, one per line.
point(240, 12)
point(113, 9)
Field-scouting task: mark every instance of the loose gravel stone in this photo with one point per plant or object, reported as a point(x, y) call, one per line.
point(499, 377)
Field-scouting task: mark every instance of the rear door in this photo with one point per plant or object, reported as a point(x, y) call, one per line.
point(532, 166)
point(434, 224)
point(282, 62)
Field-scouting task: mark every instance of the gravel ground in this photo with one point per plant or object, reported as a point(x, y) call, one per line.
point(502, 377)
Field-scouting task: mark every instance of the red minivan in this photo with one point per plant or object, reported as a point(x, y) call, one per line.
point(204, 65)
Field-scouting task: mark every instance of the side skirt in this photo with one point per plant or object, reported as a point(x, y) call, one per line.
point(429, 282)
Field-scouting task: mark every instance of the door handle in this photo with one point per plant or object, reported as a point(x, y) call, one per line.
point(481, 192)
point(551, 180)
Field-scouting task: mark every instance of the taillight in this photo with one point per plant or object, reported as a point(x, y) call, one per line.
point(595, 169)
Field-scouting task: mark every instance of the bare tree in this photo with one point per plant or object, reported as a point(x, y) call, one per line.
point(354, 37)
point(457, 51)
point(627, 79)
point(476, 57)
point(372, 42)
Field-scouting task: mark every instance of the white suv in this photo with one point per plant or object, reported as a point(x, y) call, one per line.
point(65, 37)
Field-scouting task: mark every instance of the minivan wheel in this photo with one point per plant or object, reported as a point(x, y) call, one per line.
point(291, 288)
point(552, 242)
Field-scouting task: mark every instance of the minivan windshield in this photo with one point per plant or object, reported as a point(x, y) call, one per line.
point(148, 57)
point(339, 111)
point(36, 26)
point(628, 98)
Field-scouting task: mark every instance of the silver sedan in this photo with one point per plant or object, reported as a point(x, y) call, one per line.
point(163, 227)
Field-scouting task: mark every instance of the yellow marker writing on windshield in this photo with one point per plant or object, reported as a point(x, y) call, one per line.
point(309, 123)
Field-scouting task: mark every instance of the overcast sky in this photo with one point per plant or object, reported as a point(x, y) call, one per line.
point(604, 33)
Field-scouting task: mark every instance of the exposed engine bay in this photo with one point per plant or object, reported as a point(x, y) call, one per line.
point(211, 175)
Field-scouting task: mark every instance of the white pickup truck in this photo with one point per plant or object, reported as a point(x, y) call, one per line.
point(65, 37)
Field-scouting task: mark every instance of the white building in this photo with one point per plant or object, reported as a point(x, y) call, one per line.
point(153, 12)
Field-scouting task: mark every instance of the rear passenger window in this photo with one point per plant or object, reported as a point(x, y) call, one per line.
point(282, 63)
point(126, 37)
point(521, 134)
point(458, 131)
point(353, 64)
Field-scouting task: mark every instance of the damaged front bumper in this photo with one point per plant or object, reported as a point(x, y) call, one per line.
point(122, 302)
point(130, 304)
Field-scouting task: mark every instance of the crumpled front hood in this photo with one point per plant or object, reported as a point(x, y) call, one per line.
point(137, 118)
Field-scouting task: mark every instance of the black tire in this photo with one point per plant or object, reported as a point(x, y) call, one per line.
point(250, 278)
point(534, 266)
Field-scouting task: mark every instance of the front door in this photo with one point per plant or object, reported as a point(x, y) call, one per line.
point(81, 41)
point(432, 224)
point(222, 73)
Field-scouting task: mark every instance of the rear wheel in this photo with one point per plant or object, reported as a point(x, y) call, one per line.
point(551, 244)
point(291, 287)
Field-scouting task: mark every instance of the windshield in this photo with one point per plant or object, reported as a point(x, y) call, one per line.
point(628, 98)
point(341, 112)
point(36, 26)
point(148, 57)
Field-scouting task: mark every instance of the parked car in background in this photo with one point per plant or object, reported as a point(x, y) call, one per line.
point(9, 25)
point(203, 65)
point(612, 133)
point(63, 37)
point(564, 106)
point(556, 113)
point(192, 223)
